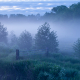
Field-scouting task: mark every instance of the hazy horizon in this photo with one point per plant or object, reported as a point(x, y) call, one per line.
point(28, 7)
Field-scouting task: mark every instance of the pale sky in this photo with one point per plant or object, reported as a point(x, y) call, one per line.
point(31, 6)
point(39, 0)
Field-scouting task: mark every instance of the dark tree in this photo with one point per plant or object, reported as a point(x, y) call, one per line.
point(3, 34)
point(25, 41)
point(13, 40)
point(59, 9)
point(75, 8)
point(46, 40)
point(76, 47)
point(62, 12)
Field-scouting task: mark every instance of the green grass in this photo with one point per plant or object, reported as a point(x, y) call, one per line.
point(58, 59)
point(56, 66)
point(35, 70)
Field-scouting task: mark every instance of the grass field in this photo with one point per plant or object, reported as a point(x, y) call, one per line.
point(37, 66)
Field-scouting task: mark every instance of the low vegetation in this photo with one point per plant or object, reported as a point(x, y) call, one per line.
point(35, 70)
point(40, 58)
point(39, 67)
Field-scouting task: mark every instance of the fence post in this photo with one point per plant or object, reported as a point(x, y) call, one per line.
point(17, 54)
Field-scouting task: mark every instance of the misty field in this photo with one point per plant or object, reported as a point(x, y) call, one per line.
point(36, 47)
point(37, 66)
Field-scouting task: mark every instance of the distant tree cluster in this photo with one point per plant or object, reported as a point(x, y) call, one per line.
point(58, 13)
point(45, 40)
point(3, 34)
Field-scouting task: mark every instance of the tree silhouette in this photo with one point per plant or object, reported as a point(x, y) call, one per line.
point(76, 47)
point(46, 40)
point(25, 41)
point(3, 34)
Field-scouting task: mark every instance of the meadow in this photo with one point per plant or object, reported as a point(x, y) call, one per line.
point(37, 66)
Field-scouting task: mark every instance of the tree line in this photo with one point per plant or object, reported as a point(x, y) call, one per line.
point(44, 40)
point(58, 13)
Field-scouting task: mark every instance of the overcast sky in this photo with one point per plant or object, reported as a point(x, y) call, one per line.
point(31, 6)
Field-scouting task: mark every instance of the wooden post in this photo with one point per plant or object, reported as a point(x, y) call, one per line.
point(17, 54)
point(47, 52)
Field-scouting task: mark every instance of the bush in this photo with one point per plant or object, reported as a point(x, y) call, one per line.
point(16, 71)
point(76, 47)
point(44, 72)
point(70, 73)
point(40, 69)
point(43, 76)
point(4, 50)
point(29, 70)
point(56, 71)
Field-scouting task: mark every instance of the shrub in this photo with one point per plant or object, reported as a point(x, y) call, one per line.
point(16, 71)
point(76, 47)
point(29, 70)
point(40, 69)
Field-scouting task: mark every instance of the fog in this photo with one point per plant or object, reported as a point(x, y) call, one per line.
point(67, 31)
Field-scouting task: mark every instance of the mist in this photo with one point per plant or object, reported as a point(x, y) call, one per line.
point(67, 31)
point(40, 47)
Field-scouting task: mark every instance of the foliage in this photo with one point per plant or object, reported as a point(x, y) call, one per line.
point(76, 47)
point(13, 41)
point(45, 39)
point(3, 34)
point(15, 71)
point(75, 8)
point(58, 13)
point(54, 72)
point(35, 70)
point(4, 50)
point(59, 9)
point(25, 41)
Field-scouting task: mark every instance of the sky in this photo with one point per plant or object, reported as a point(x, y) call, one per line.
point(27, 7)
